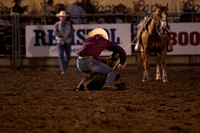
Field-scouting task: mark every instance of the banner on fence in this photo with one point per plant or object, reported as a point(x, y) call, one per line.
point(40, 39)
point(185, 38)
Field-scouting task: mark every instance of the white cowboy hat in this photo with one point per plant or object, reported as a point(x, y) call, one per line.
point(96, 31)
point(62, 14)
point(72, 1)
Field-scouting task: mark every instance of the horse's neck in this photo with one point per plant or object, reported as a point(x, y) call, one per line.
point(152, 27)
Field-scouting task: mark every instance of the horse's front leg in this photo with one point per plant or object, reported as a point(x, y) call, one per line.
point(158, 75)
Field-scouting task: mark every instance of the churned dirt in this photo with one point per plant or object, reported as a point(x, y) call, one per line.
point(42, 101)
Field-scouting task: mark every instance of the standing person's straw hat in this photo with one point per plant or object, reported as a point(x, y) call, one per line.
point(72, 1)
point(100, 31)
point(62, 14)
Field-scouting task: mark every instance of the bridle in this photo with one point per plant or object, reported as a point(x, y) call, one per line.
point(161, 32)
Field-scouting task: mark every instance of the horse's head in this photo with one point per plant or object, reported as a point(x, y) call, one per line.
point(160, 16)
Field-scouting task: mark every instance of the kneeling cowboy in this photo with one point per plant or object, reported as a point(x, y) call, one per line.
point(88, 60)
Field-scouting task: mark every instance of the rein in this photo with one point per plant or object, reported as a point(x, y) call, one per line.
point(159, 33)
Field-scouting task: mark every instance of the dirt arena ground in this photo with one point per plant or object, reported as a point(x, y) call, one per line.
point(42, 101)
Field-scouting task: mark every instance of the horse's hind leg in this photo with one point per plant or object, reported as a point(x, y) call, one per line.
point(164, 73)
point(158, 75)
point(163, 65)
point(145, 58)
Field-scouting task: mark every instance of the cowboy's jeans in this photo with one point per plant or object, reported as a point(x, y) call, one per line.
point(64, 55)
point(94, 66)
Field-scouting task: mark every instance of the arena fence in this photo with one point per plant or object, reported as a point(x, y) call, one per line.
point(12, 33)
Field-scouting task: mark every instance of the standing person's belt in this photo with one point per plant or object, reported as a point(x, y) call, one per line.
point(85, 57)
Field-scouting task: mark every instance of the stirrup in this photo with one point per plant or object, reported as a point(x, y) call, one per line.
point(137, 47)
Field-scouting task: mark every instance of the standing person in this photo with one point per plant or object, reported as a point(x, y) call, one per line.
point(50, 8)
point(88, 60)
point(64, 32)
point(74, 10)
point(88, 7)
point(17, 8)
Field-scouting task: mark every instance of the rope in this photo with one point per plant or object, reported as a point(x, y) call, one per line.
point(118, 61)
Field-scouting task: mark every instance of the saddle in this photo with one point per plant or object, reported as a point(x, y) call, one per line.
point(142, 26)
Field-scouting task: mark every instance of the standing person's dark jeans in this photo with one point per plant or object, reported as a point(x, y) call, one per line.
point(64, 55)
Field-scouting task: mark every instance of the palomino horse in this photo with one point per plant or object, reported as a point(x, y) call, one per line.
point(154, 38)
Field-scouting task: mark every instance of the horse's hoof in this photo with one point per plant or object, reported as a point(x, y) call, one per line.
point(144, 80)
point(165, 79)
point(158, 78)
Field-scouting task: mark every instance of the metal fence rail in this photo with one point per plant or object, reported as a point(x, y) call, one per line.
point(16, 43)
point(12, 29)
